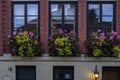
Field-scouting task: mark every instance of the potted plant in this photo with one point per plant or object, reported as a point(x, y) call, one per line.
point(63, 43)
point(103, 44)
point(24, 43)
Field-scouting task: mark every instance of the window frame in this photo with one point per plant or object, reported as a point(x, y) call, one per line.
point(67, 67)
point(25, 66)
point(25, 12)
point(100, 3)
point(62, 15)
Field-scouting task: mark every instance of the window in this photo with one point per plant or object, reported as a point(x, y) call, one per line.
point(63, 15)
point(25, 73)
point(101, 15)
point(111, 73)
point(63, 73)
point(26, 16)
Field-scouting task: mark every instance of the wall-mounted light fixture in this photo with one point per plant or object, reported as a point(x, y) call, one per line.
point(96, 73)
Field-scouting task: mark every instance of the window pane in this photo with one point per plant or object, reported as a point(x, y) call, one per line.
point(56, 21)
point(32, 9)
point(56, 9)
point(69, 9)
point(18, 22)
point(107, 9)
point(19, 9)
point(69, 24)
point(107, 24)
point(94, 10)
point(32, 24)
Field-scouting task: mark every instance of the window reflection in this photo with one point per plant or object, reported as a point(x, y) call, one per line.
point(69, 9)
point(32, 9)
point(107, 9)
point(18, 22)
point(26, 16)
point(66, 19)
point(56, 9)
point(100, 20)
point(19, 9)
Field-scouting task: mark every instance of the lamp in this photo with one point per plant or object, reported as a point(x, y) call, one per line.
point(96, 73)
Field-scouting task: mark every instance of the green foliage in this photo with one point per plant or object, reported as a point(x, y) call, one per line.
point(24, 43)
point(103, 42)
point(63, 43)
point(116, 51)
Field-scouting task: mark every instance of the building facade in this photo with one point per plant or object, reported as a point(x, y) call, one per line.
point(84, 17)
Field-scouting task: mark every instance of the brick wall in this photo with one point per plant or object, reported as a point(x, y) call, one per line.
point(82, 22)
point(7, 24)
point(118, 16)
point(44, 24)
point(1, 26)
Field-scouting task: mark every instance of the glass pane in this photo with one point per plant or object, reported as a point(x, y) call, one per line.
point(18, 23)
point(32, 24)
point(69, 9)
point(19, 9)
point(56, 21)
point(107, 9)
point(107, 24)
point(69, 24)
point(107, 19)
point(56, 9)
point(32, 9)
point(94, 10)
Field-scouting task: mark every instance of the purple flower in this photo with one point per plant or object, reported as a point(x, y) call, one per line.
point(99, 30)
point(65, 30)
point(118, 36)
point(102, 34)
point(31, 34)
point(114, 33)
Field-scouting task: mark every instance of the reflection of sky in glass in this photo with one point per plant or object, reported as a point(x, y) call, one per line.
point(32, 9)
point(19, 9)
point(107, 9)
point(18, 22)
point(95, 7)
point(69, 9)
point(56, 9)
point(32, 19)
point(107, 19)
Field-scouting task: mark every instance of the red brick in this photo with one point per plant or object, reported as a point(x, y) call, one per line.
point(44, 24)
point(118, 16)
point(82, 16)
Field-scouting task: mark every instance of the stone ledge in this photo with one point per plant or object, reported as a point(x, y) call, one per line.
point(65, 59)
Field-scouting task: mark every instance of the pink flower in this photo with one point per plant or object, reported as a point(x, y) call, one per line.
point(9, 36)
point(65, 30)
point(20, 33)
point(72, 32)
point(111, 38)
point(102, 37)
point(60, 30)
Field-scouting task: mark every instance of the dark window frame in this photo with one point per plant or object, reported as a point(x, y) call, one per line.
point(26, 16)
point(62, 67)
point(25, 66)
point(63, 16)
point(100, 4)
